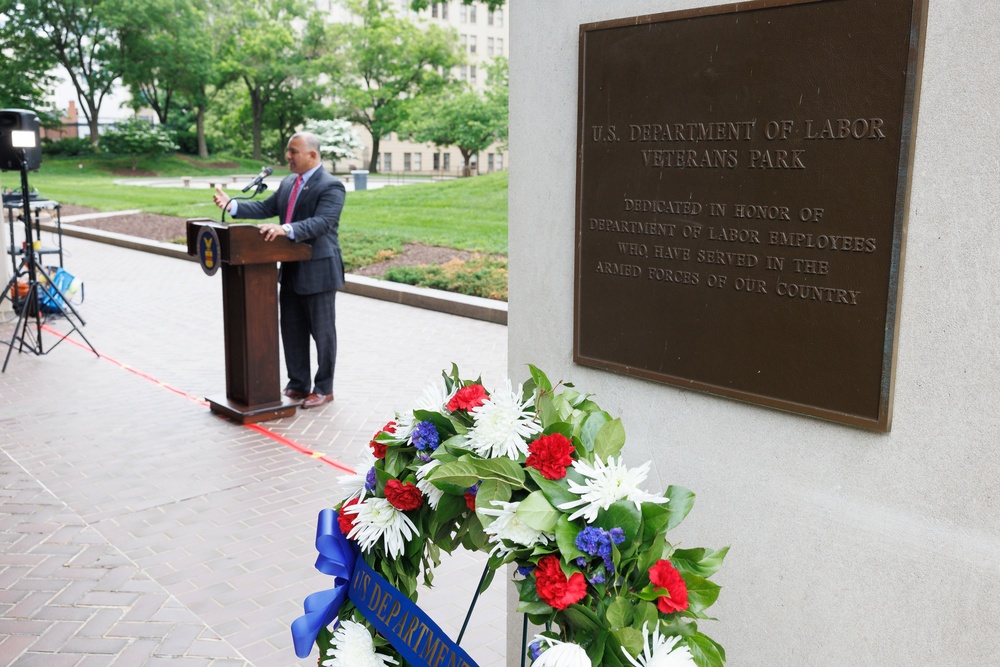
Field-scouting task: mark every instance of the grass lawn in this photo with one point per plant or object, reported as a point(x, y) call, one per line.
point(467, 214)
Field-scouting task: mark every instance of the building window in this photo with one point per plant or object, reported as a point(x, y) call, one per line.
point(463, 14)
point(499, 46)
point(464, 73)
point(434, 10)
point(417, 166)
point(499, 18)
point(386, 162)
point(472, 43)
point(465, 41)
point(489, 162)
point(489, 18)
point(406, 162)
point(499, 161)
point(447, 162)
point(444, 10)
point(489, 46)
point(437, 161)
point(472, 13)
point(472, 74)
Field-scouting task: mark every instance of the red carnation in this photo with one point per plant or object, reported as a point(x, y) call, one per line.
point(379, 448)
point(470, 500)
point(550, 455)
point(403, 495)
point(665, 575)
point(467, 398)
point(554, 588)
point(345, 520)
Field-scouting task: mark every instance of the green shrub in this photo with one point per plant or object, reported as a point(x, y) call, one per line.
point(137, 138)
point(68, 147)
point(480, 276)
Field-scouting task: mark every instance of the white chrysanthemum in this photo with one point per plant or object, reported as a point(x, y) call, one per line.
point(561, 654)
point(662, 651)
point(378, 520)
point(352, 646)
point(607, 483)
point(433, 399)
point(353, 486)
point(509, 526)
point(432, 493)
point(502, 424)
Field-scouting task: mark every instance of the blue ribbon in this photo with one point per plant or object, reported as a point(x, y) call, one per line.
point(337, 556)
point(419, 640)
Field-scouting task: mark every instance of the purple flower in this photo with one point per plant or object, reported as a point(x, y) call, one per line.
point(589, 540)
point(525, 570)
point(598, 578)
point(425, 437)
point(370, 480)
point(536, 650)
point(617, 535)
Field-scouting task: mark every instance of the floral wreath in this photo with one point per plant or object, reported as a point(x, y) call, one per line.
point(534, 476)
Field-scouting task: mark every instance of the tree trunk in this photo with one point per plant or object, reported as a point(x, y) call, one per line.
point(200, 125)
point(373, 163)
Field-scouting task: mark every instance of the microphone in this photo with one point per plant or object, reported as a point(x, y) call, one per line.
point(259, 178)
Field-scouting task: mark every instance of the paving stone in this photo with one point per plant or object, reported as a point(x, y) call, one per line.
point(137, 528)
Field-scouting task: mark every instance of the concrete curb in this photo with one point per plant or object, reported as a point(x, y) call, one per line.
point(472, 307)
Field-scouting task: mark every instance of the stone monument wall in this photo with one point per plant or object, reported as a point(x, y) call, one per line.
point(848, 545)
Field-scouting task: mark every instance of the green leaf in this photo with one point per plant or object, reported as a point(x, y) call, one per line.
point(652, 553)
point(557, 492)
point(490, 490)
point(591, 426)
point(630, 640)
point(702, 593)
point(610, 439)
point(541, 380)
point(566, 532)
point(533, 608)
point(537, 513)
point(467, 471)
point(583, 619)
point(646, 613)
point(681, 502)
point(621, 514)
point(395, 461)
point(703, 562)
point(619, 613)
point(705, 651)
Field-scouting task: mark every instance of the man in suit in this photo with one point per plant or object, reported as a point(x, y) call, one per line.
point(308, 204)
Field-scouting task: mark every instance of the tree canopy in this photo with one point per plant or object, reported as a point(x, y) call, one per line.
point(387, 63)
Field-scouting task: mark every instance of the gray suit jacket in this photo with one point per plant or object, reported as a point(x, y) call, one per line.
point(315, 220)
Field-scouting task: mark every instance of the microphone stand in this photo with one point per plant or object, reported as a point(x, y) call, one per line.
point(260, 188)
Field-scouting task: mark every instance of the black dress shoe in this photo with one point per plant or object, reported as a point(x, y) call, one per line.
point(316, 400)
point(296, 395)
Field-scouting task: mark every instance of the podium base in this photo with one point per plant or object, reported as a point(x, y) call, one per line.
point(251, 414)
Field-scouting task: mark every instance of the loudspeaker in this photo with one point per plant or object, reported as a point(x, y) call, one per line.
point(18, 120)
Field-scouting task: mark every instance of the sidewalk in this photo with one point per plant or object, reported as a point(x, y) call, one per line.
point(140, 529)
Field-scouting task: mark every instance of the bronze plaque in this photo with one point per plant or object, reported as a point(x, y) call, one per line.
point(742, 185)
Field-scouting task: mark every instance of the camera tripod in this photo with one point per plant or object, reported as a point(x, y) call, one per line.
point(28, 330)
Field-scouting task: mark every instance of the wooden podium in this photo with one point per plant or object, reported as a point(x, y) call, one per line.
point(250, 312)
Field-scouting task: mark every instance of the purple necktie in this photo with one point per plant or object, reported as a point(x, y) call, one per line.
point(292, 197)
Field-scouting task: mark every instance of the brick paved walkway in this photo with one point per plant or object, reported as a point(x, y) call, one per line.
point(140, 529)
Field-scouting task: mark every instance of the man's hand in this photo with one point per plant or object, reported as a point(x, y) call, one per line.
point(221, 198)
point(272, 232)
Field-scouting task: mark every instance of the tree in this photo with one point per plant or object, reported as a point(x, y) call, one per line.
point(80, 35)
point(387, 62)
point(464, 119)
point(168, 52)
point(137, 139)
point(338, 140)
point(24, 73)
point(266, 52)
